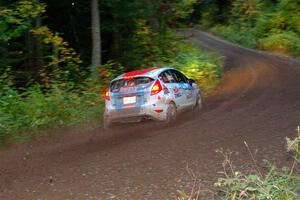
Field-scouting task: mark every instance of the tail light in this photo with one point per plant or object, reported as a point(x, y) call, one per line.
point(156, 88)
point(106, 95)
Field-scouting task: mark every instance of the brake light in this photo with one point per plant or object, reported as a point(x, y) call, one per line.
point(156, 88)
point(106, 95)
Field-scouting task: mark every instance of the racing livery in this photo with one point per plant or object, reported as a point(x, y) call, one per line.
point(154, 93)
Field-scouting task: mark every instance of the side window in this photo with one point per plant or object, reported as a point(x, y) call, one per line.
point(179, 77)
point(166, 77)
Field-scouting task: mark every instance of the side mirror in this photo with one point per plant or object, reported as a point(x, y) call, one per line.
point(191, 81)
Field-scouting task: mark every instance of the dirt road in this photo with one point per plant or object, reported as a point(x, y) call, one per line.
point(258, 101)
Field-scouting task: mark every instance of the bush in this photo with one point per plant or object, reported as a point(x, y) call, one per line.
point(233, 34)
point(272, 26)
point(22, 115)
point(170, 50)
point(269, 23)
point(277, 183)
point(281, 184)
point(204, 67)
point(285, 43)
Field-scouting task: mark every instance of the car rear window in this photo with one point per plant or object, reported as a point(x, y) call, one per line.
point(137, 82)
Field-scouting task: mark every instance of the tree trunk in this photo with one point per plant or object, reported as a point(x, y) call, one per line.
point(39, 47)
point(96, 34)
point(30, 48)
point(153, 20)
point(115, 45)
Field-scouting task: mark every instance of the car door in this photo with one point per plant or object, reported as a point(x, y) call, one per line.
point(173, 90)
point(186, 90)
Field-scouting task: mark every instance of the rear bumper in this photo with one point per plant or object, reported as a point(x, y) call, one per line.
point(135, 113)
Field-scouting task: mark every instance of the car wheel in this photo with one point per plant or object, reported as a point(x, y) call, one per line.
point(171, 113)
point(198, 104)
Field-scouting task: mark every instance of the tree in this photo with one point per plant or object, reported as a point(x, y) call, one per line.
point(96, 34)
point(32, 51)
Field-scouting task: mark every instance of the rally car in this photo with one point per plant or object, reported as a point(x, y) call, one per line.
point(154, 93)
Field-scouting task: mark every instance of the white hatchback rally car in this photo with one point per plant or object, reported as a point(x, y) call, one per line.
point(154, 93)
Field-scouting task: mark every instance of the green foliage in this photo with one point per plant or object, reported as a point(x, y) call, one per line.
point(289, 11)
point(109, 71)
point(148, 41)
point(246, 12)
point(285, 43)
point(38, 54)
point(16, 21)
point(154, 47)
point(277, 184)
point(204, 67)
point(22, 115)
point(208, 13)
point(268, 25)
point(283, 184)
point(171, 50)
point(184, 8)
point(44, 83)
point(208, 16)
point(64, 63)
point(140, 31)
point(293, 146)
point(233, 34)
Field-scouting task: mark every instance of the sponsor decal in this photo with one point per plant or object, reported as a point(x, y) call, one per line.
point(177, 95)
point(166, 91)
point(176, 90)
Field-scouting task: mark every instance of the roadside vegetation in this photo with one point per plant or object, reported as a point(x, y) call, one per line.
point(272, 182)
point(46, 79)
point(268, 25)
point(26, 114)
point(275, 183)
point(204, 67)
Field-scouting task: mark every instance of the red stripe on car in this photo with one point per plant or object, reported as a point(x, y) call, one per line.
point(137, 73)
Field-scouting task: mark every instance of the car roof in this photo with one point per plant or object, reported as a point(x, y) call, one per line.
point(149, 72)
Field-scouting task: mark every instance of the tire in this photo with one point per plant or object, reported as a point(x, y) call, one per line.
point(198, 105)
point(171, 113)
